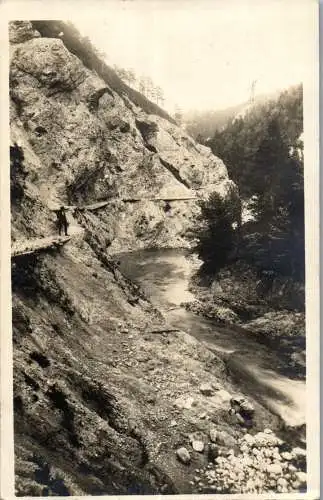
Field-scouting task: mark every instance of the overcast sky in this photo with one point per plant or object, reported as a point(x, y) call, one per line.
point(205, 54)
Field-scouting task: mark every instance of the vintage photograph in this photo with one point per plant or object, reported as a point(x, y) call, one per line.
point(158, 249)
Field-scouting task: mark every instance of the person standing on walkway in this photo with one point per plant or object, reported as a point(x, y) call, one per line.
point(62, 221)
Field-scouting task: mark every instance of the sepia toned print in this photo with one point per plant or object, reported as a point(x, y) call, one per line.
point(158, 251)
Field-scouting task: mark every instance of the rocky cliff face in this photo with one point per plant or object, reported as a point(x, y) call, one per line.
point(92, 404)
point(85, 142)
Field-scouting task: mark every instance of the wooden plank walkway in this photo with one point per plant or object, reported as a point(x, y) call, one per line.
point(187, 198)
point(101, 204)
point(35, 245)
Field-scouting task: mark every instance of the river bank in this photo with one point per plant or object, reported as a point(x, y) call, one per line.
point(165, 277)
point(276, 319)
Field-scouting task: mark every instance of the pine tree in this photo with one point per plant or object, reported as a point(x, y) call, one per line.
point(142, 85)
point(214, 231)
point(178, 115)
point(149, 86)
point(129, 76)
point(160, 95)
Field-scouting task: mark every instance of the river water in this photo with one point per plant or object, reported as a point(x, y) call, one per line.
point(164, 276)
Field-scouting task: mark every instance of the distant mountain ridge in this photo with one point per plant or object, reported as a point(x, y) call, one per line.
point(203, 124)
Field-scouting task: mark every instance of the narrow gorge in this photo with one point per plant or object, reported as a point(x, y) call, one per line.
point(117, 388)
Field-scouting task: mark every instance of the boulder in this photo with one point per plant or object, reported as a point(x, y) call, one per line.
point(299, 358)
point(299, 452)
point(241, 405)
point(48, 61)
point(282, 482)
point(213, 452)
point(21, 31)
point(286, 455)
point(206, 390)
point(224, 439)
point(223, 395)
point(301, 477)
point(198, 446)
point(265, 440)
point(185, 403)
point(183, 455)
point(249, 440)
point(274, 469)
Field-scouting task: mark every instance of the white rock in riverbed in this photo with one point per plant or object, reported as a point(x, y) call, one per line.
point(301, 477)
point(266, 440)
point(250, 440)
point(258, 467)
point(282, 482)
point(274, 469)
point(298, 452)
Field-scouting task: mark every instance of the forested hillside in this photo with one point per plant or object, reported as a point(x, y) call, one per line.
point(264, 155)
point(246, 142)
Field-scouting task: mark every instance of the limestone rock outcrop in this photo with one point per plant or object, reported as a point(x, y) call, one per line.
point(85, 142)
